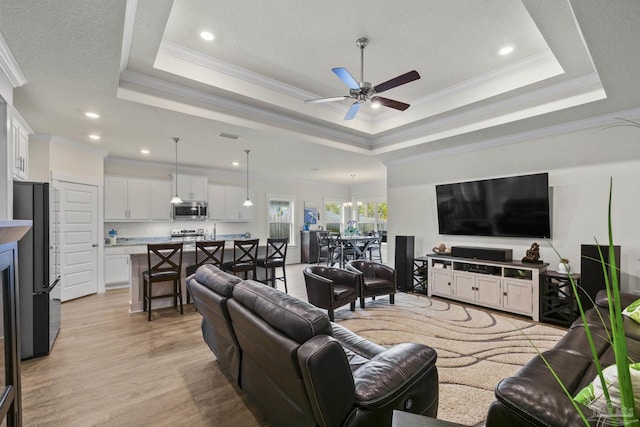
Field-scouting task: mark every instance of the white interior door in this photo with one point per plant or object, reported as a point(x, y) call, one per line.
point(78, 239)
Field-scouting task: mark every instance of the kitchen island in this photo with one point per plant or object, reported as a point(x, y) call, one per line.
point(135, 252)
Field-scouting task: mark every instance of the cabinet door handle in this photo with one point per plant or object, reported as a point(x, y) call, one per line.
point(505, 294)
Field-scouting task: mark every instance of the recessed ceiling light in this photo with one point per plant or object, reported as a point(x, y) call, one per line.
point(235, 163)
point(144, 151)
point(94, 136)
point(206, 35)
point(92, 115)
point(506, 50)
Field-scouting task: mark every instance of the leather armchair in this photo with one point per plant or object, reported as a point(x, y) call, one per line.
point(330, 288)
point(378, 279)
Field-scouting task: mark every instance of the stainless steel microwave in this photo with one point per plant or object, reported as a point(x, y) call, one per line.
point(190, 210)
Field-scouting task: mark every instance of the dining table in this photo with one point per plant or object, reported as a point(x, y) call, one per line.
point(357, 245)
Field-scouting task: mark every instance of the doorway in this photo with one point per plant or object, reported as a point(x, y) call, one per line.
point(74, 209)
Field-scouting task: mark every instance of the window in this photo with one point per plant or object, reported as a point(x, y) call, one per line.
point(333, 214)
point(281, 216)
point(372, 217)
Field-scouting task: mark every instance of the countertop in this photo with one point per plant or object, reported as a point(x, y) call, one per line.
point(140, 241)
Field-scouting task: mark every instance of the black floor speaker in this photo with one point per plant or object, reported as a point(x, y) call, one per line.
point(404, 262)
point(592, 278)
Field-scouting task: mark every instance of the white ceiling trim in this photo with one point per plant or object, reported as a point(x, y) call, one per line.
point(565, 94)
point(574, 126)
point(185, 54)
point(9, 66)
point(244, 111)
point(127, 32)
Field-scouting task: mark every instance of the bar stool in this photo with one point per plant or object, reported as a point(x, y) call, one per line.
point(207, 252)
point(167, 269)
point(245, 254)
point(276, 257)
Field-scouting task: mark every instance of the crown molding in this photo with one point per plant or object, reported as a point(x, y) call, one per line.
point(58, 140)
point(610, 119)
point(579, 85)
point(185, 54)
point(127, 32)
point(9, 66)
point(244, 110)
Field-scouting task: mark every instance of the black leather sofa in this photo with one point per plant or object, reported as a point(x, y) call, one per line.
point(301, 369)
point(533, 397)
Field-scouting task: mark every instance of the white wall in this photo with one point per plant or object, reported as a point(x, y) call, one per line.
point(579, 166)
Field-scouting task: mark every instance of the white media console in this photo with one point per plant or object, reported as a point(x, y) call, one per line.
point(510, 286)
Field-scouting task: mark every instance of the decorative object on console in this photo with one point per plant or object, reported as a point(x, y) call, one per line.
point(533, 254)
point(563, 266)
point(441, 249)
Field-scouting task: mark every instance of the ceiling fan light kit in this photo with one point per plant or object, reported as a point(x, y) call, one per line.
point(363, 90)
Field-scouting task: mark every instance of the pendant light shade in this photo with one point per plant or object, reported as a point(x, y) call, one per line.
point(247, 202)
point(176, 199)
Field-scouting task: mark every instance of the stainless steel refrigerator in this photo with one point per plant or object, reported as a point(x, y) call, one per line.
point(39, 296)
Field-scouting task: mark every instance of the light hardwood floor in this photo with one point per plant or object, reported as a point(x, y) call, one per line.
point(112, 368)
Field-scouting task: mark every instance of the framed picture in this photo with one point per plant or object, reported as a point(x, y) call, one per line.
point(310, 213)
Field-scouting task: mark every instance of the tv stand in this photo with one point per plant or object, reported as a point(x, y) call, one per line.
point(509, 286)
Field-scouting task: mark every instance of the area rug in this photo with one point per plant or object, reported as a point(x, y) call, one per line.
point(476, 347)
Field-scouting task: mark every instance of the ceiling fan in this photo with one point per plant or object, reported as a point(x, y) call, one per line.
point(363, 91)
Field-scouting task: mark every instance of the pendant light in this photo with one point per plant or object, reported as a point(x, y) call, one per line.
point(176, 199)
point(247, 202)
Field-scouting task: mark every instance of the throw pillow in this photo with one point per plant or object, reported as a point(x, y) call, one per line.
point(633, 310)
point(592, 396)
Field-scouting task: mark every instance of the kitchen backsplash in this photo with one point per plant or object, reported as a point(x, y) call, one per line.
point(163, 228)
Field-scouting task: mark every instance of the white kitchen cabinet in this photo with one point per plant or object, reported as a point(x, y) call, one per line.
point(19, 142)
point(234, 197)
point(226, 204)
point(116, 269)
point(192, 187)
point(126, 199)
point(216, 202)
point(160, 193)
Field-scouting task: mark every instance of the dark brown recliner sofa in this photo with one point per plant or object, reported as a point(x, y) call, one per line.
point(533, 397)
point(301, 369)
point(210, 289)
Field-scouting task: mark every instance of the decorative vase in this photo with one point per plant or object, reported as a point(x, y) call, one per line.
point(564, 268)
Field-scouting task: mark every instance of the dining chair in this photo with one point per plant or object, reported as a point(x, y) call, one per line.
point(325, 246)
point(207, 252)
point(375, 246)
point(245, 255)
point(167, 267)
point(275, 258)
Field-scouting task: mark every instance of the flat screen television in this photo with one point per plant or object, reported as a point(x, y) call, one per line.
point(515, 206)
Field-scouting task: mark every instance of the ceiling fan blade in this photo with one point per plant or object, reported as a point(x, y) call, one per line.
point(397, 81)
point(352, 111)
point(346, 77)
point(320, 100)
point(390, 103)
